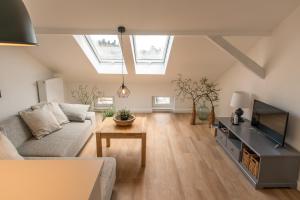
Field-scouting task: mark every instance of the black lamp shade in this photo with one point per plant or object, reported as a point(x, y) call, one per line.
point(15, 25)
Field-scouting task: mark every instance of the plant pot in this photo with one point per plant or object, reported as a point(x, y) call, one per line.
point(120, 122)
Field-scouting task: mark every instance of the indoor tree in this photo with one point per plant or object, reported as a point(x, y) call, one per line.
point(212, 95)
point(85, 94)
point(196, 90)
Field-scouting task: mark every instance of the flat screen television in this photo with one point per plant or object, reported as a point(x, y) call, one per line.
point(270, 120)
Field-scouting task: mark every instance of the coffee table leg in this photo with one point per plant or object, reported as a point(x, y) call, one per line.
point(99, 145)
point(144, 149)
point(107, 142)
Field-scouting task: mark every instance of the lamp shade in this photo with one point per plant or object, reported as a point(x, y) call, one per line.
point(239, 99)
point(123, 91)
point(15, 24)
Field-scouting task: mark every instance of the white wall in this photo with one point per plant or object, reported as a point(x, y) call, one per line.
point(140, 99)
point(280, 56)
point(18, 75)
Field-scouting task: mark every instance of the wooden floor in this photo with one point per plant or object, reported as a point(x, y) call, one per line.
point(183, 162)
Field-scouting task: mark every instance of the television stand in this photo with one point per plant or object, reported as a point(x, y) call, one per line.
point(264, 164)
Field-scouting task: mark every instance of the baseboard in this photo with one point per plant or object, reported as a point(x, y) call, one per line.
point(150, 110)
point(141, 110)
point(183, 110)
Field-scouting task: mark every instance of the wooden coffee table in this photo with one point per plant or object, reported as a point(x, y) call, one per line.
point(109, 130)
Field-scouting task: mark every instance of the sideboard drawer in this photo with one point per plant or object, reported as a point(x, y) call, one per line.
point(221, 137)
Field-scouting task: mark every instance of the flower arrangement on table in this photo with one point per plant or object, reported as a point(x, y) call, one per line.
point(124, 118)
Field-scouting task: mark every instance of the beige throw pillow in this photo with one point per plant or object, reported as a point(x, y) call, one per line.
point(7, 149)
point(55, 109)
point(41, 122)
point(75, 112)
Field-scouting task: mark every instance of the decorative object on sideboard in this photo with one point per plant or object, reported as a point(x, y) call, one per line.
point(203, 111)
point(240, 100)
point(197, 90)
point(124, 118)
point(16, 26)
point(86, 95)
point(123, 91)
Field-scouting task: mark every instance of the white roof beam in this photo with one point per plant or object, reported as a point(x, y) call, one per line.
point(237, 54)
point(79, 31)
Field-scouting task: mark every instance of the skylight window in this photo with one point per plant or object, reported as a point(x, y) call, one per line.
point(103, 51)
point(151, 53)
point(106, 47)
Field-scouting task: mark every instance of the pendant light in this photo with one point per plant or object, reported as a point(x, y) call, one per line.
point(16, 28)
point(123, 91)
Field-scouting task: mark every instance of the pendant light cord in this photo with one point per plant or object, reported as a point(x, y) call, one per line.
point(122, 57)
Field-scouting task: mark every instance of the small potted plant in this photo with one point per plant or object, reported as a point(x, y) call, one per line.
point(124, 118)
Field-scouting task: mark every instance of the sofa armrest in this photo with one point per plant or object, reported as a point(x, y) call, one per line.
point(91, 116)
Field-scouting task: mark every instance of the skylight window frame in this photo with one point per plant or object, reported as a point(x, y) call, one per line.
point(161, 61)
point(95, 51)
point(100, 67)
point(152, 68)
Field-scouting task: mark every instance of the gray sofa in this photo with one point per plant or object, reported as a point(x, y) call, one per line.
point(65, 143)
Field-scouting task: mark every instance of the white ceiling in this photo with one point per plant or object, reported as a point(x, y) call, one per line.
point(189, 20)
point(176, 16)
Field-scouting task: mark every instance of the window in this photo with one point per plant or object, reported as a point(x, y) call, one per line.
point(104, 102)
point(149, 48)
point(106, 48)
point(151, 53)
point(103, 51)
point(162, 100)
point(162, 104)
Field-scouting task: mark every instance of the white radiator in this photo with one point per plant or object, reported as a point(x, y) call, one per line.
point(51, 90)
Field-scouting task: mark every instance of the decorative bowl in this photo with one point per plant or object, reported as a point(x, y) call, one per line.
point(127, 122)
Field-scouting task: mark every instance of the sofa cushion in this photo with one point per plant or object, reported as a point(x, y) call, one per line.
point(56, 111)
point(68, 141)
point(40, 121)
point(7, 149)
point(75, 112)
point(16, 130)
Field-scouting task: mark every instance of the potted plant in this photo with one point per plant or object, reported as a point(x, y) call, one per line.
point(196, 90)
point(124, 118)
point(212, 95)
point(110, 112)
point(86, 95)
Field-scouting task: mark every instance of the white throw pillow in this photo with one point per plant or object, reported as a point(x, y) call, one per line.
point(40, 121)
point(7, 149)
point(55, 109)
point(75, 112)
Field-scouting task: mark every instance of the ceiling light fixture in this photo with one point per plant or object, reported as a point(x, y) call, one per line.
point(123, 91)
point(15, 23)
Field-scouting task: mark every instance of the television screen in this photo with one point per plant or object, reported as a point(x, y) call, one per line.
point(270, 120)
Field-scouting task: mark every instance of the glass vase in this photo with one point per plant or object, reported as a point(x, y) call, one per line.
point(203, 112)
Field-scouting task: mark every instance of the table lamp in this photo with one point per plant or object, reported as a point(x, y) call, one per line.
point(239, 100)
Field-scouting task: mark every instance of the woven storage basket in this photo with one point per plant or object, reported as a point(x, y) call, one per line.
point(254, 165)
point(246, 158)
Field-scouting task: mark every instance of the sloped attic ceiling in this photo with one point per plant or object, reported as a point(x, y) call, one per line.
point(190, 21)
point(193, 56)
